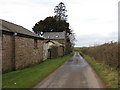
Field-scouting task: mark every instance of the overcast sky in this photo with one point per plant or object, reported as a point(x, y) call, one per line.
point(93, 21)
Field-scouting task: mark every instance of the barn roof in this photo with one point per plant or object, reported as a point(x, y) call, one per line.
point(56, 43)
point(52, 43)
point(11, 27)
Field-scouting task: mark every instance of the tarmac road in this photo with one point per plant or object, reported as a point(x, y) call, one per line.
point(74, 73)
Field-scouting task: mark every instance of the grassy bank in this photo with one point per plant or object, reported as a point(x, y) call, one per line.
point(30, 76)
point(108, 74)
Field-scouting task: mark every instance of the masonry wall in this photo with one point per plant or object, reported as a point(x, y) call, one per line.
point(60, 51)
point(62, 41)
point(19, 52)
point(25, 52)
point(53, 52)
point(7, 53)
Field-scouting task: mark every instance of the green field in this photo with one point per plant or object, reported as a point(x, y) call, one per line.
point(77, 48)
point(29, 77)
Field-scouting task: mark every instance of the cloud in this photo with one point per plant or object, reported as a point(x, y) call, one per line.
point(93, 39)
point(24, 12)
point(88, 18)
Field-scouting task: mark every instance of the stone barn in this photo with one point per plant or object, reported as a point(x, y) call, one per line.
point(21, 48)
point(52, 49)
point(56, 36)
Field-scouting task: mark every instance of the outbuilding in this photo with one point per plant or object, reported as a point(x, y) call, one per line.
point(21, 48)
point(52, 49)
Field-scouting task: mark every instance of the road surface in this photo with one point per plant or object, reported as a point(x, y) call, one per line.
point(74, 73)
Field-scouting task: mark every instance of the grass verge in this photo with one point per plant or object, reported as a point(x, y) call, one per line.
point(29, 77)
point(109, 75)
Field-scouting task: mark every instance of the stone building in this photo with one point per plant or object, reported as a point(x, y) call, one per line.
point(52, 49)
point(56, 36)
point(21, 48)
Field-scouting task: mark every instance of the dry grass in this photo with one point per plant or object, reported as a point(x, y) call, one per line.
point(108, 74)
point(106, 53)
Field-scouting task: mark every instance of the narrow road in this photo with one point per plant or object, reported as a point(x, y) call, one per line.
point(74, 73)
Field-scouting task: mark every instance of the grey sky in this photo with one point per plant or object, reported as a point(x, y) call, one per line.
point(93, 21)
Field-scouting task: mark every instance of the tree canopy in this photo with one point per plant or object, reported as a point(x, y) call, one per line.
point(57, 23)
point(50, 24)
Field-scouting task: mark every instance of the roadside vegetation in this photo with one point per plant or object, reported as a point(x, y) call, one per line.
point(76, 48)
point(106, 53)
point(104, 60)
point(29, 77)
point(109, 75)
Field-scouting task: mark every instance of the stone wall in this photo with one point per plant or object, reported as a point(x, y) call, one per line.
point(53, 52)
point(20, 52)
point(25, 52)
point(60, 51)
point(62, 41)
point(7, 53)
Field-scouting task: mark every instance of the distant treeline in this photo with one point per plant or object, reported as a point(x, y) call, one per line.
point(106, 53)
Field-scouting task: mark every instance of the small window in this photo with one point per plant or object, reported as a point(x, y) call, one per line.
point(35, 43)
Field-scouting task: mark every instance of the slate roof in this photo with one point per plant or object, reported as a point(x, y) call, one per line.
point(54, 35)
point(56, 43)
point(11, 27)
point(52, 43)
